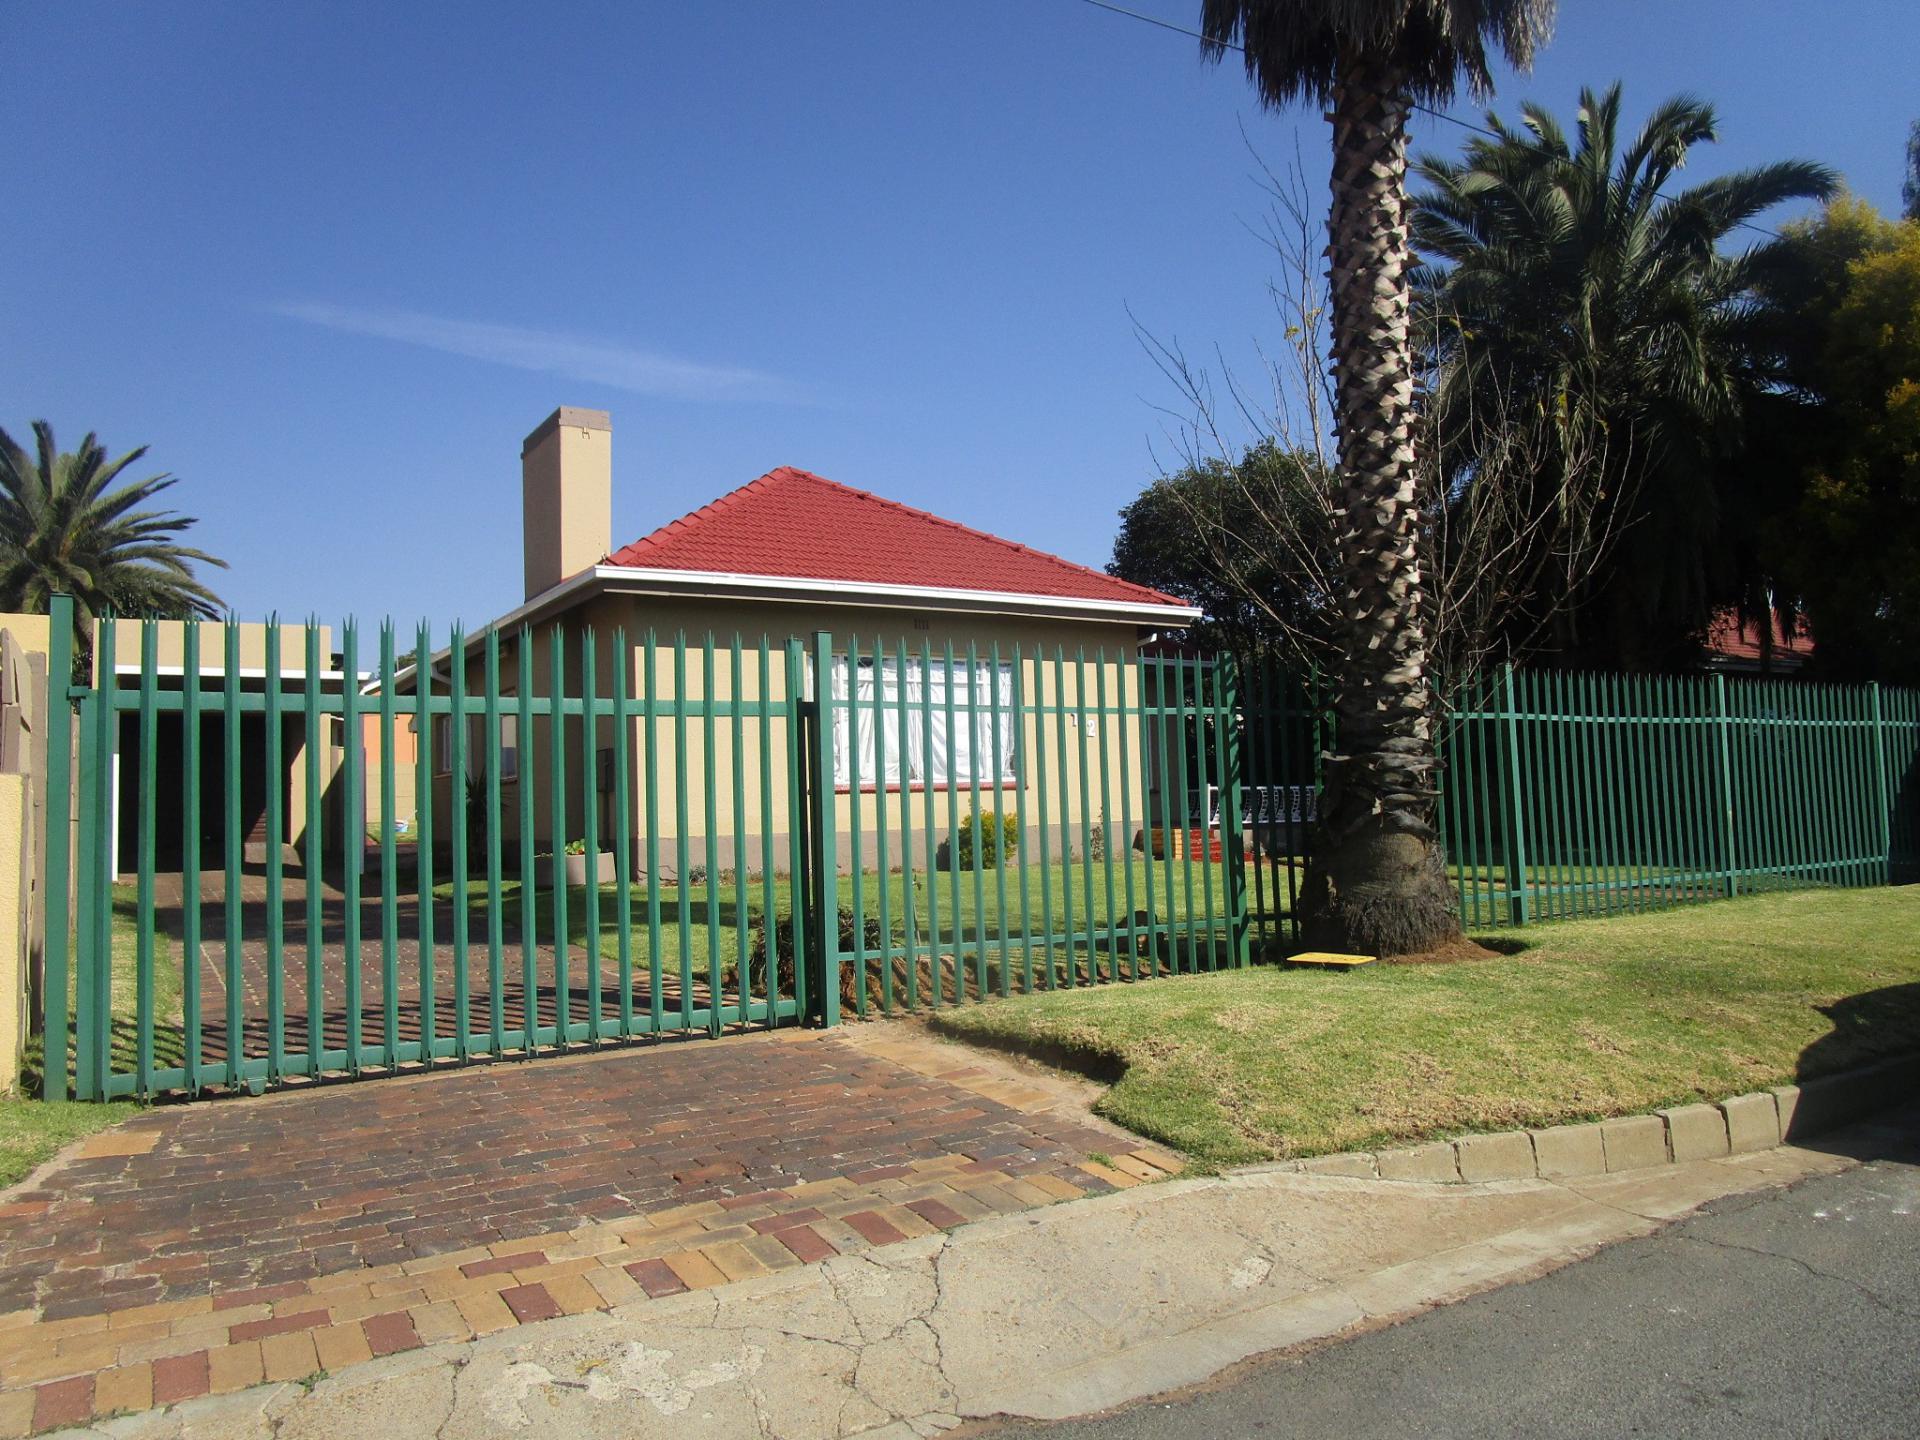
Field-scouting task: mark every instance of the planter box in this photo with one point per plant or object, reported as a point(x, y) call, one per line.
point(601, 866)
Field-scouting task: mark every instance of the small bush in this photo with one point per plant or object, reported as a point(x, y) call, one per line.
point(783, 952)
point(998, 837)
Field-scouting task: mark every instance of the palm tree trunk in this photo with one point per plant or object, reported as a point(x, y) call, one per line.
point(1376, 883)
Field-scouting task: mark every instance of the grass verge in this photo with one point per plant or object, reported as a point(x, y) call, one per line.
point(1592, 1018)
point(32, 1129)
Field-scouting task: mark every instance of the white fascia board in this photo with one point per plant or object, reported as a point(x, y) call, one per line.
point(245, 672)
point(727, 584)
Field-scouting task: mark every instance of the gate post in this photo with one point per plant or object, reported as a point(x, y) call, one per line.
point(826, 857)
point(1519, 899)
point(57, 808)
point(1723, 764)
point(1883, 801)
point(1227, 678)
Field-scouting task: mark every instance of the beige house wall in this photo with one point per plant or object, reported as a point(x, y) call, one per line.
point(24, 812)
point(170, 647)
point(19, 858)
point(607, 615)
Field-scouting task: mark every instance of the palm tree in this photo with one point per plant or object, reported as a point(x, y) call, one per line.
point(1377, 880)
point(65, 530)
point(1562, 287)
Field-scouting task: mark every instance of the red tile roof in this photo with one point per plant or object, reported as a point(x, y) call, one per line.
point(1731, 638)
point(794, 524)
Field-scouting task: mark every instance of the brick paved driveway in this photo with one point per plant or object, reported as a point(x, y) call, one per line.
point(235, 1195)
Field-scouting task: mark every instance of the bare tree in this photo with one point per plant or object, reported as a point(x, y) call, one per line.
point(1513, 514)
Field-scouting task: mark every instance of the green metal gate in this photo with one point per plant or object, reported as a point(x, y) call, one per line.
point(320, 950)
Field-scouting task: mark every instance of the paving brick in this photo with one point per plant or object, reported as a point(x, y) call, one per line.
point(806, 1243)
point(391, 1333)
point(1634, 1142)
point(440, 1323)
point(1753, 1122)
point(278, 1325)
point(1137, 1167)
point(696, 1271)
point(614, 1286)
point(234, 1367)
point(485, 1312)
point(180, 1377)
point(123, 1388)
point(16, 1413)
point(339, 1346)
point(937, 1213)
point(1696, 1132)
point(735, 1261)
point(62, 1402)
point(289, 1357)
point(873, 1228)
point(502, 1264)
point(530, 1303)
point(573, 1294)
point(657, 1278)
point(785, 1220)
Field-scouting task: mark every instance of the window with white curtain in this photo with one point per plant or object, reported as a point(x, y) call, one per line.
point(979, 691)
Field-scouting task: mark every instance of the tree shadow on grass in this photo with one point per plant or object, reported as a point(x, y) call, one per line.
point(1874, 1025)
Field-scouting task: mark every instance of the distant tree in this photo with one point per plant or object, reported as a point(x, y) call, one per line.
point(1567, 287)
point(1246, 542)
point(67, 528)
point(1377, 880)
point(1910, 187)
point(1842, 450)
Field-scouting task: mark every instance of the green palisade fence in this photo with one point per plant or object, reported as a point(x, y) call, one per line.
point(801, 829)
point(1113, 770)
point(1569, 794)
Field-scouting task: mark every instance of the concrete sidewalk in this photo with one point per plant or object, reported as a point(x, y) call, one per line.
point(1052, 1312)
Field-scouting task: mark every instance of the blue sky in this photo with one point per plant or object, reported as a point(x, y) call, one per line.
point(333, 261)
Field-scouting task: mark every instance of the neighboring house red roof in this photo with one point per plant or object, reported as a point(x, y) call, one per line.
point(794, 524)
point(1733, 640)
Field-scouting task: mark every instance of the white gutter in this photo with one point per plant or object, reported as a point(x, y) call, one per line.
point(731, 584)
point(245, 672)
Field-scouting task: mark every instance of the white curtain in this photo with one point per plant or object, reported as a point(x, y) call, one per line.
point(978, 693)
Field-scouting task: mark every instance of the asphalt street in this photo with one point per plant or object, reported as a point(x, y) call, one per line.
point(1784, 1313)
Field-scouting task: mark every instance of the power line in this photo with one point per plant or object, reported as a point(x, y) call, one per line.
point(1428, 110)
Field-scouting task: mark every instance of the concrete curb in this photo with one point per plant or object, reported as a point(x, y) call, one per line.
point(1742, 1125)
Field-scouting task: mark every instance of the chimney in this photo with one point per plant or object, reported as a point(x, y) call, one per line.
point(566, 495)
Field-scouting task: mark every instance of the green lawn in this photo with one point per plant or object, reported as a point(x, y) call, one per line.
point(1592, 1018)
point(932, 896)
point(32, 1129)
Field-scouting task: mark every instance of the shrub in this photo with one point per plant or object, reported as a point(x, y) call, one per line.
point(998, 836)
point(783, 952)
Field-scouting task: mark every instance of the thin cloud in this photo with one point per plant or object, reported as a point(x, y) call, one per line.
point(599, 362)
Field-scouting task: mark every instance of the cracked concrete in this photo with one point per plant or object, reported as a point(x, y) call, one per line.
point(1045, 1314)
